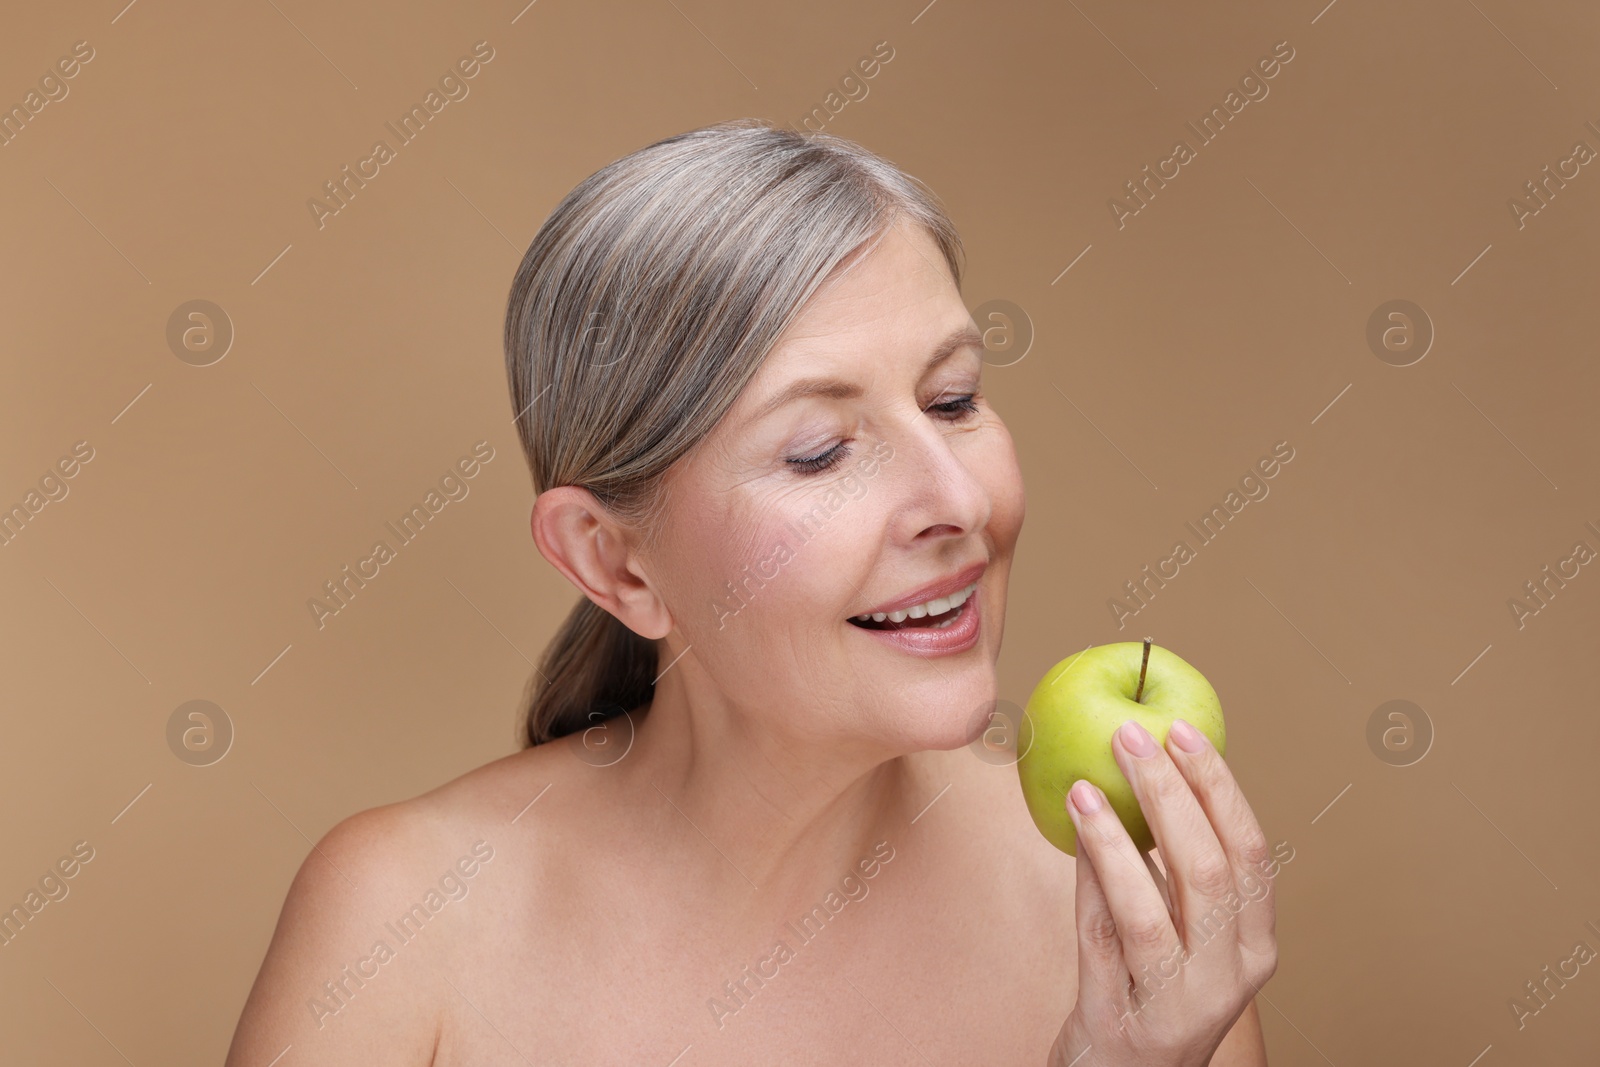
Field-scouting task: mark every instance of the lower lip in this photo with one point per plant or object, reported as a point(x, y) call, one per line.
point(923, 641)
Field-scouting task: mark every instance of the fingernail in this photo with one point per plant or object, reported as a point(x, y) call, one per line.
point(1085, 797)
point(1186, 736)
point(1136, 739)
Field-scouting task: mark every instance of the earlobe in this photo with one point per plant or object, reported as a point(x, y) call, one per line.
point(585, 542)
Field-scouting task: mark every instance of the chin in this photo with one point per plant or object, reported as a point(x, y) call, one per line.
point(957, 720)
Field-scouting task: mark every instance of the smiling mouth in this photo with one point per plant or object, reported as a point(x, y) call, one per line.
point(937, 614)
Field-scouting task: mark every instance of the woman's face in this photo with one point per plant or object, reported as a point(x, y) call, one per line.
point(860, 466)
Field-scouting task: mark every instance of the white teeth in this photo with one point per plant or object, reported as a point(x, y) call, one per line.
point(936, 606)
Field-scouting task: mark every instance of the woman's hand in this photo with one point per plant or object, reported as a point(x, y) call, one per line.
point(1159, 983)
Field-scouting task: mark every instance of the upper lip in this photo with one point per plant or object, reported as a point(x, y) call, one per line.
point(943, 587)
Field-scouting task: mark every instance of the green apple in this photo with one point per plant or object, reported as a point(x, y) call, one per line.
point(1067, 726)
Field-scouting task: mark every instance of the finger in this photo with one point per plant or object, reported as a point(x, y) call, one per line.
point(1202, 879)
point(1236, 827)
point(1160, 880)
point(1144, 926)
point(1102, 972)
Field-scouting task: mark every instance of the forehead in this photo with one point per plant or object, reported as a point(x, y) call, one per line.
point(896, 302)
point(901, 288)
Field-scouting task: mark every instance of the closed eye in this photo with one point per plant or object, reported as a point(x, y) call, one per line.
point(956, 410)
point(822, 461)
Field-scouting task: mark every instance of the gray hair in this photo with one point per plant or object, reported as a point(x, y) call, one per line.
point(647, 300)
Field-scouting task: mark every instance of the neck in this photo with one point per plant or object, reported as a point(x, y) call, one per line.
point(787, 810)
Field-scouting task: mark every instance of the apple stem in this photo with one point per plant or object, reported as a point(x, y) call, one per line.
point(1143, 664)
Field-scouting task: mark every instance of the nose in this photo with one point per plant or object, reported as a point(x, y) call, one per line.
point(938, 496)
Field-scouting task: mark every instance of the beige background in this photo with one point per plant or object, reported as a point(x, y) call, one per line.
point(1225, 317)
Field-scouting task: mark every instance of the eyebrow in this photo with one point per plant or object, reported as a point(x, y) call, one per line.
point(835, 389)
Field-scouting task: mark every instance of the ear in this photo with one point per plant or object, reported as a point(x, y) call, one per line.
point(585, 542)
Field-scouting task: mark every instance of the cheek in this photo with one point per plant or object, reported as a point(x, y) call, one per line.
point(802, 542)
point(760, 570)
point(707, 552)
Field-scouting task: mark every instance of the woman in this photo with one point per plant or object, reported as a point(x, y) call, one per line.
point(747, 828)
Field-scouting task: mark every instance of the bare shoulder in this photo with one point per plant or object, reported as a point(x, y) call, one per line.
point(380, 885)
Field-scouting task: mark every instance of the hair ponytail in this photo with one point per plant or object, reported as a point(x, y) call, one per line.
point(593, 668)
point(644, 304)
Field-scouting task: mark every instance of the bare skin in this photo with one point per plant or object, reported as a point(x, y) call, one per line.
point(622, 897)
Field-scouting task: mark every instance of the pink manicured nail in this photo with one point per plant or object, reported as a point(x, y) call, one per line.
point(1136, 739)
point(1085, 797)
point(1186, 736)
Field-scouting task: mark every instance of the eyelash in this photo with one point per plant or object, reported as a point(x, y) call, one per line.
point(954, 410)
